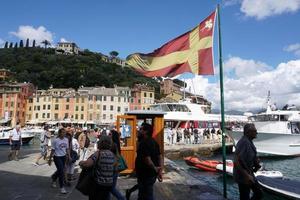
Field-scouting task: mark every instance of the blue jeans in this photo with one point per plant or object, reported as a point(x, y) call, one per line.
point(145, 185)
point(60, 166)
point(115, 192)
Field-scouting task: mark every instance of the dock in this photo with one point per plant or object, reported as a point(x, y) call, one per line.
point(21, 180)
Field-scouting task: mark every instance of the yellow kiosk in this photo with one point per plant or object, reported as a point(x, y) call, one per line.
point(128, 124)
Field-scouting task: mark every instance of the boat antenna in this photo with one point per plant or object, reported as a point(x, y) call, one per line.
point(269, 102)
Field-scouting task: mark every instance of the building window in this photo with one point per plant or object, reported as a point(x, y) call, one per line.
point(76, 108)
point(44, 99)
point(139, 101)
point(126, 109)
point(56, 100)
point(82, 108)
point(36, 115)
point(56, 107)
point(29, 108)
point(119, 99)
point(91, 116)
point(111, 98)
point(111, 107)
point(119, 109)
point(12, 104)
point(6, 104)
point(104, 116)
point(56, 116)
point(34, 107)
point(150, 95)
point(68, 99)
point(37, 99)
point(48, 107)
point(104, 107)
point(18, 105)
point(82, 100)
point(67, 107)
point(44, 114)
point(104, 98)
point(38, 107)
point(145, 94)
point(111, 116)
point(98, 107)
point(44, 107)
point(77, 100)
point(48, 115)
point(66, 115)
point(76, 116)
point(81, 116)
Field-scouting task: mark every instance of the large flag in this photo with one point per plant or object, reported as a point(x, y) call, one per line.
point(190, 52)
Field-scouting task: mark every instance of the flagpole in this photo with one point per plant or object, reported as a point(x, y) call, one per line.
point(222, 106)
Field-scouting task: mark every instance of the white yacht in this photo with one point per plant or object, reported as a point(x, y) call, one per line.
point(5, 133)
point(278, 131)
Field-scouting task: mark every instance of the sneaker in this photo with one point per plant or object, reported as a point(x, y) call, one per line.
point(36, 164)
point(53, 184)
point(63, 190)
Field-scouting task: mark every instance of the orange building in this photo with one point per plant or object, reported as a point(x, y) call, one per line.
point(142, 97)
point(13, 99)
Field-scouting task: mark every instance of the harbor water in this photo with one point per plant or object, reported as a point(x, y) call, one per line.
point(288, 166)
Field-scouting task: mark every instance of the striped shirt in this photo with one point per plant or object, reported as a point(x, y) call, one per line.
point(104, 168)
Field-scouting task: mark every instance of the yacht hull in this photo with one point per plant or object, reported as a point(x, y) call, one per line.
point(273, 144)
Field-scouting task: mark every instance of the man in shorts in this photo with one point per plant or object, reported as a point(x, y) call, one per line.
point(15, 141)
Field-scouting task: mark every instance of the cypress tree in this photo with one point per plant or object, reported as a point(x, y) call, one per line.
point(16, 45)
point(27, 43)
point(33, 43)
point(21, 44)
point(11, 45)
point(6, 45)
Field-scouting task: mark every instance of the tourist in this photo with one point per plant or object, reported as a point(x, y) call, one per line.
point(74, 151)
point(44, 139)
point(196, 135)
point(61, 154)
point(246, 163)
point(148, 163)
point(116, 149)
point(82, 143)
point(104, 169)
point(15, 141)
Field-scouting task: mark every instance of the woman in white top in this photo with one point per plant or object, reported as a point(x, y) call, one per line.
point(61, 154)
point(74, 150)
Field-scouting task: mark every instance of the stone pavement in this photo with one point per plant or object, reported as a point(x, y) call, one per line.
point(22, 180)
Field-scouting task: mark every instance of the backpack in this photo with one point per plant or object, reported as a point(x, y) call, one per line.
point(87, 142)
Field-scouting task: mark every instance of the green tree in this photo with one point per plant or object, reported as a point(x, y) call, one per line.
point(113, 54)
point(33, 43)
point(6, 45)
point(27, 43)
point(11, 45)
point(21, 44)
point(16, 45)
point(46, 43)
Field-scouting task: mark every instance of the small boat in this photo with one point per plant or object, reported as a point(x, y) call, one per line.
point(287, 188)
point(206, 165)
point(267, 173)
point(4, 137)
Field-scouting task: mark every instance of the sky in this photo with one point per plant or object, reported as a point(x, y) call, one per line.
point(260, 39)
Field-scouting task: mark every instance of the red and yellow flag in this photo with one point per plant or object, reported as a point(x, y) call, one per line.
point(190, 52)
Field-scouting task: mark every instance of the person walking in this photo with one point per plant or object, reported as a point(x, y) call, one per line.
point(82, 143)
point(116, 149)
point(74, 150)
point(61, 154)
point(104, 161)
point(44, 139)
point(148, 163)
point(15, 141)
point(246, 163)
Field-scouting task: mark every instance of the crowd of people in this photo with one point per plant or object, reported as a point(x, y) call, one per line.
point(192, 135)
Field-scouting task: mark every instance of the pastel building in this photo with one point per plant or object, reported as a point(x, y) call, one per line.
point(13, 100)
point(142, 97)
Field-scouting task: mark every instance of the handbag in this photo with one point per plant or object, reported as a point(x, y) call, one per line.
point(86, 181)
point(122, 165)
point(74, 156)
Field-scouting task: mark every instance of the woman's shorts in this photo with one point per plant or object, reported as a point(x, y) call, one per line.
point(44, 149)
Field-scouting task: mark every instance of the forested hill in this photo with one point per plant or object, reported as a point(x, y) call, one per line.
point(43, 68)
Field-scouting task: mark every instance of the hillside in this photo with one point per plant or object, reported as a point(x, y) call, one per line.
point(43, 68)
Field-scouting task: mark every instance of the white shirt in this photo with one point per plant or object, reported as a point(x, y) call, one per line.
point(60, 146)
point(75, 145)
point(16, 135)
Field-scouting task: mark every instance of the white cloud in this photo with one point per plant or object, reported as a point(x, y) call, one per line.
point(295, 48)
point(63, 40)
point(38, 34)
point(242, 67)
point(260, 9)
point(249, 92)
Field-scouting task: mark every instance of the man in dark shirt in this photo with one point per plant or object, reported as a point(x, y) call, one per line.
point(148, 163)
point(246, 163)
